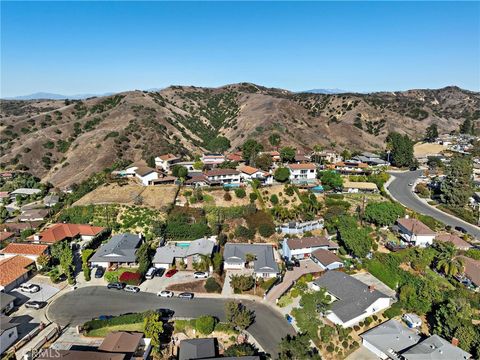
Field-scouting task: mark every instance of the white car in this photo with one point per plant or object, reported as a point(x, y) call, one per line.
point(131, 288)
point(29, 288)
point(165, 293)
point(200, 275)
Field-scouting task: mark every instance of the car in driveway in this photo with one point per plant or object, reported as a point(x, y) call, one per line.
point(99, 272)
point(35, 304)
point(186, 295)
point(159, 272)
point(150, 273)
point(116, 285)
point(131, 288)
point(30, 288)
point(200, 275)
point(165, 293)
point(170, 273)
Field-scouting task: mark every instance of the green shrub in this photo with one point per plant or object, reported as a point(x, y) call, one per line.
point(266, 230)
point(212, 286)
point(253, 196)
point(240, 193)
point(244, 232)
point(117, 320)
point(394, 310)
point(274, 199)
point(205, 324)
point(225, 328)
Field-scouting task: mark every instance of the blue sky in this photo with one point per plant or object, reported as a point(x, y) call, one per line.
point(96, 47)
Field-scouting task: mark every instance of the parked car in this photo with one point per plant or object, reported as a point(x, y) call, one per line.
point(289, 266)
point(461, 229)
point(160, 272)
point(30, 288)
point(35, 304)
point(296, 262)
point(186, 295)
point(116, 285)
point(165, 293)
point(99, 272)
point(150, 273)
point(105, 317)
point(171, 272)
point(131, 288)
point(200, 275)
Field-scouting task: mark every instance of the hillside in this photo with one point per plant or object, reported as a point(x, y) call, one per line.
point(64, 141)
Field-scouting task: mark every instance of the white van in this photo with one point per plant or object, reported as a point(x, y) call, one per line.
point(150, 273)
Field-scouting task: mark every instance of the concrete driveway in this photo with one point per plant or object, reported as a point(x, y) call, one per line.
point(45, 293)
point(160, 283)
point(307, 266)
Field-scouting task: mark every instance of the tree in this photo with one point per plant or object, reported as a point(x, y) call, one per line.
point(457, 187)
point(43, 260)
point(274, 139)
point(331, 180)
point(198, 165)
point(212, 286)
point(205, 324)
point(274, 199)
point(203, 264)
point(297, 348)
point(346, 154)
point(242, 282)
point(446, 261)
point(238, 315)
point(144, 257)
point(264, 161)
point(467, 127)
point(401, 147)
point(63, 253)
point(219, 144)
point(151, 161)
point(217, 262)
point(266, 230)
point(240, 193)
point(153, 328)
point(431, 133)
point(179, 171)
point(250, 149)
point(4, 214)
point(354, 238)
point(383, 213)
point(239, 350)
point(287, 154)
point(281, 174)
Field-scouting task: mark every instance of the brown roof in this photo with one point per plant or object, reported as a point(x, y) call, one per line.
point(455, 240)
point(472, 269)
point(166, 157)
point(58, 232)
point(326, 257)
point(249, 170)
point(220, 172)
point(24, 249)
point(12, 268)
point(121, 341)
point(415, 226)
point(50, 354)
point(144, 170)
point(307, 166)
point(33, 214)
point(308, 242)
point(235, 156)
point(4, 235)
point(19, 226)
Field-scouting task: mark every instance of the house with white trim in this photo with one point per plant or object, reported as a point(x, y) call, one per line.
point(166, 161)
point(249, 173)
point(415, 232)
point(305, 172)
point(222, 176)
point(264, 265)
point(301, 248)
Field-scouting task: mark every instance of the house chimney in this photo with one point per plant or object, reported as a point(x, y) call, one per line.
point(454, 341)
point(371, 288)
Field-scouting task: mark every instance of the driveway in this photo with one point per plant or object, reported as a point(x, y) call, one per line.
point(307, 266)
point(76, 307)
point(227, 290)
point(160, 283)
point(45, 293)
point(402, 192)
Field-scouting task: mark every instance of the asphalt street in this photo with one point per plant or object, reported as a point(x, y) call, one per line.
point(81, 305)
point(401, 191)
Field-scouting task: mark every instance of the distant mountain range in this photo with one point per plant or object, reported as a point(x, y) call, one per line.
point(50, 96)
point(327, 91)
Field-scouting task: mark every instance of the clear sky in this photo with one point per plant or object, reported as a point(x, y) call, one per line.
point(97, 47)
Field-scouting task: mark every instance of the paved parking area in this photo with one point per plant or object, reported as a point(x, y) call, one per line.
point(160, 283)
point(45, 293)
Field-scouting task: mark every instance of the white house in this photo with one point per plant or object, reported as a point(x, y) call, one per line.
point(353, 301)
point(212, 159)
point(249, 173)
point(8, 333)
point(189, 252)
point(166, 161)
point(294, 227)
point(327, 260)
point(303, 247)
point(415, 232)
point(299, 173)
point(264, 264)
point(143, 173)
point(223, 176)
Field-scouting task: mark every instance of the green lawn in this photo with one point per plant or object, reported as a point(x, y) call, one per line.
point(102, 332)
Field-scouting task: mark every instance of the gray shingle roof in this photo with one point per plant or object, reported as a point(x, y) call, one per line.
point(391, 337)
point(353, 296)
point(197, 349)
point(435, 348)
point(120, 248)
point(265, 260)
point(5, 299)
point(166, 254)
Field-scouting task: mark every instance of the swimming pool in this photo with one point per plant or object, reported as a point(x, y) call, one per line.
point(182, 245)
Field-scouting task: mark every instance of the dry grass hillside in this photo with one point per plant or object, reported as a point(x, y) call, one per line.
point(65, 141)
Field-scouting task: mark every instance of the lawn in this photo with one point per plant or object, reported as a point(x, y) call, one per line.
point(103, 331)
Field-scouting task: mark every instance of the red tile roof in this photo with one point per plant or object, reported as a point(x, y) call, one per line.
point(58, 232)
point(13, 268)
point(307, 166)
point(249, 170)
point(4, 235)
point(24, 249)
point(167, 157)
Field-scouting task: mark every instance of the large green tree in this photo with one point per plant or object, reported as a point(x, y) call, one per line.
point(431, 133)
point(274, 139)
point(264, 161)
point(238, 315)
point(287, 154)
point(356, 239)
point(219, 144)
point(297, 348)
point(401, 147)
point(383, 213)
point(467, 127)
point(457, 187)
point(281, 174)
point(331, 180)
point(153, 328)
point(250, 150)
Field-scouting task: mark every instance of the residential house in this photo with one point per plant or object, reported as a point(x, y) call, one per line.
point(132, 344)
point(7, 303)
point(303, 173)
point(275, 155)
point(301, 158)
point(249, 173)
point(164, 180)
point(188, 252)
point(189, 165)
point(301, 248)
point(359, 187)
point(223, 177)
point(24, 192)
point(28, 250)
point(18, 227)
point(264, 265)
point(349, 167)
point(121, 249)
point(3, 195)
point(14, 271)
point(294, 227)
point(327, 260)
point(437, 348)
point(371, 159)
point(69, 232)
point(6, 235)
point(8, 333)
point(471, 270)
point(353, 300)
point(55, 354)
point(33, 215)
point(235, 157)
point(389, 339)
point(51, 200)
point(212, 159)
point(166, 161)
point(146, 175)
point(415, 232)
point(192, 349)
point(196, 180)
point(326, 156)
point(456, 240)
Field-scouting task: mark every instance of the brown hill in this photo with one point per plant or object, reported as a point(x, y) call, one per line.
point(65, 141)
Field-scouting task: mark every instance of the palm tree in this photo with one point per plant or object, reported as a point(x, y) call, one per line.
point(450, 267)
